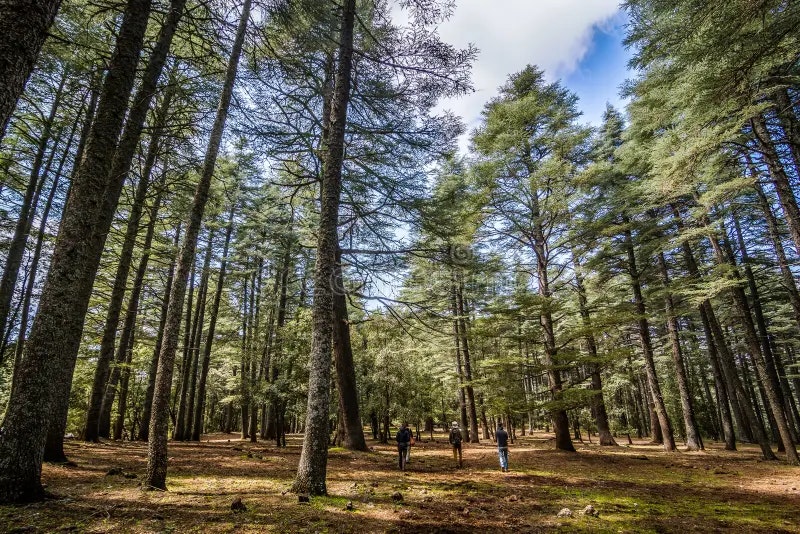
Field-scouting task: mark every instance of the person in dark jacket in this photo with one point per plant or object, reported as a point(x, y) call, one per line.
point(403, 443)
point(502, 447)
point(455, 441)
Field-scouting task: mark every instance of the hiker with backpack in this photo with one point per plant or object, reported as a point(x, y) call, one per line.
point(502, 447)
point(455, 441)
point(403, 438)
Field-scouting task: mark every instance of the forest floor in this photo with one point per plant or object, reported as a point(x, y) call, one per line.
point(635, 488)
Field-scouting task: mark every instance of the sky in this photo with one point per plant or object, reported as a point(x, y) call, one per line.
point(576, 41)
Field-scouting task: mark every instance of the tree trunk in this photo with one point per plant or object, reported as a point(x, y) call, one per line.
point(195, 347)
point(598, 404)
point(693, 440)
point(462, 397)
point(312, 467)
point(144, 429)
point(45, 377)
point(98, 415)
point(470, 390)
point(23, 30)
point(658, 405)
point(127, 336)
point(197, 425)
point(353, 431)
point(779, 178)
point(157, 446)
point(37, 251)
point(760, 351)
point(22, 229)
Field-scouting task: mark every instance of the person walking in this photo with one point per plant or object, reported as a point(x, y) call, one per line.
point(502, 447)
point(455, 441)
point(403, 443)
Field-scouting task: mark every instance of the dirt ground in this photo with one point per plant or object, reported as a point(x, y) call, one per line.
point(633, 489)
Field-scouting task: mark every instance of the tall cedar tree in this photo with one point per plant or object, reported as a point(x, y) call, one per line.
point(45, 376)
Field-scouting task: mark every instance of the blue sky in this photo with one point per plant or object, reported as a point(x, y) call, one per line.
point(600, 72)
point(576, 41)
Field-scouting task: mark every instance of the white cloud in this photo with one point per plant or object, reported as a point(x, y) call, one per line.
point(553, 34)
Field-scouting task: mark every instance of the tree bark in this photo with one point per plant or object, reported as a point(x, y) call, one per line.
point(658, 405)
point(120, 167)
point(598, 404)
point(469, 389)
point(144, 429)
point(23, 30)
point(312, 468)
point(779, 178)
point(45, 377)
point(128, 329)
point(760, 351)
point(693, 440)
point(197, 426)
point(157, 445)
point(353, 431)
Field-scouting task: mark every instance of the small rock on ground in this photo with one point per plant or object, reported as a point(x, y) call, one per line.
point(565, 512)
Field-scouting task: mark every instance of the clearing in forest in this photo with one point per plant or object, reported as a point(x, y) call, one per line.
point(633, 489)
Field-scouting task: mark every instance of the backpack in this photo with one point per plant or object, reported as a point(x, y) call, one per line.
point(455, 436)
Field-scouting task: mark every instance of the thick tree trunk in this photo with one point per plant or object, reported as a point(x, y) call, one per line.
point(98, 416)
point(694, 441)
point(45, 377)
point(23, 30)
point(22, 229)
point(352, 429)
point(159, 423)
point(312, 468)
point(197, 420)
point(657, 398)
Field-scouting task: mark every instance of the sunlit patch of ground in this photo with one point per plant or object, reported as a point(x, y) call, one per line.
point(634, 489)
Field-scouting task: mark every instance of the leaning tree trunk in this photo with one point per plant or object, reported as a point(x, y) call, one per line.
point(23, 30)
point(19, 240)
point(789, 283)
point(311, 471)
point(350, 422)
point(197, 427)
point(761, 360)
point(144, 428)
point(647, 348)
point(159, 422)
point(779, 178)
point(120, 168)
point(598, 404)
point(693, 440)
point(127, 335)
point(45, 376)
point(37, 250)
